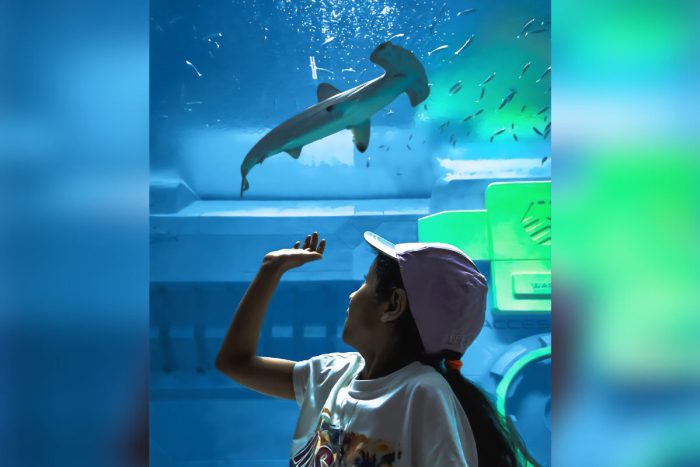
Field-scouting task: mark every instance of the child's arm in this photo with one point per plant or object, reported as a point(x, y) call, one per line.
point(237, 357)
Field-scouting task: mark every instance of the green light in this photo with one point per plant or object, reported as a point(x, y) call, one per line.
point(466, 230)
point(502, 389)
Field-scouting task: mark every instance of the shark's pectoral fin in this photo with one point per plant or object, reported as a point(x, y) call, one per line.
point(295, 153)
point(360, 135)
point(325, 90)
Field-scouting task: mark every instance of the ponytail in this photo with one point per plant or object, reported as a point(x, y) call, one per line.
point(497, 441)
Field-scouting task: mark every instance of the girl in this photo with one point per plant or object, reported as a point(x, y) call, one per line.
point(400, 400)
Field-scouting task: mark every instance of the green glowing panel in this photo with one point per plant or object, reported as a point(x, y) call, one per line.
point(522, 286)
point(467, 230)
point(502, 389)
point(519, 219)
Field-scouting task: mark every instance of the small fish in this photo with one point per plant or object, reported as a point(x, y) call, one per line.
point(367, 163)
point(348, 70)
point(380, 146)
point(515, 137)
point(522, 109)
point(324, 69)
point(425, 106)
point(464, 46)
point(525, 68)
point(487, 80)
point(536, 31)
point(508, 98)
point(525, 27)
point(444, 125)
point(537, 131)
point(457, 90)
point(411, 136)
point(454, 142)
point(546, 72)
point(389, 113)
point(468, 117)
point(194, 68)
point(512, 126)
point(387, 149)
point(544, 109)
point(395, 36)
point(328, 40)
point(452, 137)
point(548, 127)
point(544, 159)
point(409, 147)
point(498, 132)
point(437, 49)
point(455, 86)
point(466, 12)
point(478, 112)
point(483, 91)
point(545, 118)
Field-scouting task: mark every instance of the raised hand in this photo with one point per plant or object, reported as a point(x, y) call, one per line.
point(290, 258)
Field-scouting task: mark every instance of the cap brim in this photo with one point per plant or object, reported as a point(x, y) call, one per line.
point(380, 244)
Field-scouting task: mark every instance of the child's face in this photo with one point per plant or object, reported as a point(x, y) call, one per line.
point(363, 313)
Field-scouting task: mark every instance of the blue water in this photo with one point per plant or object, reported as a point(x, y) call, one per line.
point(249, 72)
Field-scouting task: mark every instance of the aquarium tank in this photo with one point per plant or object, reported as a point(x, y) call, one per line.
point(268, 122)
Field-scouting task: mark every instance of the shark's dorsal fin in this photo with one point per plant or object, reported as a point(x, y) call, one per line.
point(325, 90)
point(360, 135)
point(295, 153)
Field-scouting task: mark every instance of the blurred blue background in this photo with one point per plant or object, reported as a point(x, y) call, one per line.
point(225, 73)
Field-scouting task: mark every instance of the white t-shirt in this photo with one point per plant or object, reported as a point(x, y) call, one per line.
point(409, 418)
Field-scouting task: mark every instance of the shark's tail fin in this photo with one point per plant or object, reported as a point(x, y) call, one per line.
point(244, 185)
point(397, 60)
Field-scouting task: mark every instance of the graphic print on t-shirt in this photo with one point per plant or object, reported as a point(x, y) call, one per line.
point(333, 447)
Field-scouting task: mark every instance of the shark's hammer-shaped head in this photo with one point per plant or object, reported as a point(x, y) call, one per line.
point(398, 61)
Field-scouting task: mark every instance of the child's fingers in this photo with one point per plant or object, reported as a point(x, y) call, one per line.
point(314, 241)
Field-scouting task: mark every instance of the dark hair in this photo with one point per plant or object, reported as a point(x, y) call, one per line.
point(497, 441)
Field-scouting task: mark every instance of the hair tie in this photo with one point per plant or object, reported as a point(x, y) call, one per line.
point(454, 364)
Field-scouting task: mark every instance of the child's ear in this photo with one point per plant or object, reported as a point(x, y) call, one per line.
point(398, 303)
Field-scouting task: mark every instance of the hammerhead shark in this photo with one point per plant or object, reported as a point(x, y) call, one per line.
point(351, 109)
